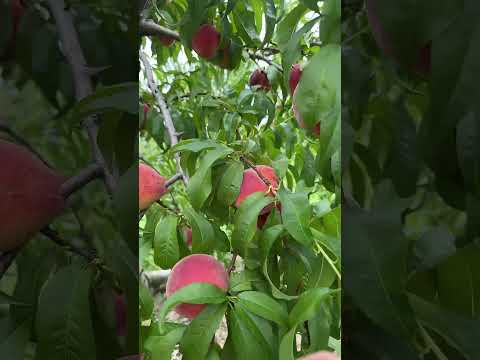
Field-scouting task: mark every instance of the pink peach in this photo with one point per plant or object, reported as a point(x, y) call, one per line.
point(197, 268)
point(151, 186)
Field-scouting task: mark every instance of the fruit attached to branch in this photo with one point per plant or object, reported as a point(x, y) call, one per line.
point(260, 78)
point(166, 40)
point(295, 75)
point(31, 195)
point(421, 61)
point(205, 41)
point(252, 183)
point(151, 186)
point(322, 355)
point(197, 268)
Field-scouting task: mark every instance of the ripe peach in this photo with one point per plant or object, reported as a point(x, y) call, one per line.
point(146, 109)
point(166, 40)
point(30, 192)
point(151, 186)
point(17, 12)
point(252, 183)
point(205, 42)
point(295, 75)
point(197, 268)
point(120, 314)
point(384, 42)
point(322, 355)
point(259, 77)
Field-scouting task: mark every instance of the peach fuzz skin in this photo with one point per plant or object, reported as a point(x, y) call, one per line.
point(31, 195)
point(322, 355)
point(151, 186)
point(252, 183)
point(205, 42)
point(197, 268)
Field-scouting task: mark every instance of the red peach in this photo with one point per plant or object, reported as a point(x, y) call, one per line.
point(166, 40)
point(30, 192)
point(17, 10)
point(146, 109)
point(322, 355)
point(120, 314)
point(422, 64)
point(205, 42)
point(295, 75)
point(252, 183)
point(197, 268)
point(151, 186)
point(259, 78)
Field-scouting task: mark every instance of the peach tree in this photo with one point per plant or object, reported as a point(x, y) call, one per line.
point(68, 139)
point(240, 132)
point(410, 136)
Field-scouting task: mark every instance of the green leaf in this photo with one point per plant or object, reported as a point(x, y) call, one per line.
point(165, 244)
point(286, 345)
point(373, 241)
point(199, 334)
point(330, 22)
point(308, 305)
point(14, 338)
point(194, 145)
point(202, 232)
point(120, 97)
point(229, 186)
point(459, 331)
point(245, 223)
point(146, 302)
point(270, 13)
point(264, 306)
point(7, 299)
point(248, 341)
point(200, 185)
point(161, 347)
point(296, 213)
point(196, 293)
point(288, 25)
point(63, 324)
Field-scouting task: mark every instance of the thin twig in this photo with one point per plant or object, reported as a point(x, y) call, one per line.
point(55, 237)
point(254, 57)
point(232, 264)
point(173, 180)
point(73, 52)
point(78, 181)
point(254, 168)
point(149, 28)
point(172, 132)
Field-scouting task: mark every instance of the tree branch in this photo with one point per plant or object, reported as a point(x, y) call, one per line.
point(78, 181)
point(254, 168)
point(173, 180)
point(73, 52)
point(149, 28)
point(254, 56)
point(55, 237)
point(172, 132)
point(232, 264)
